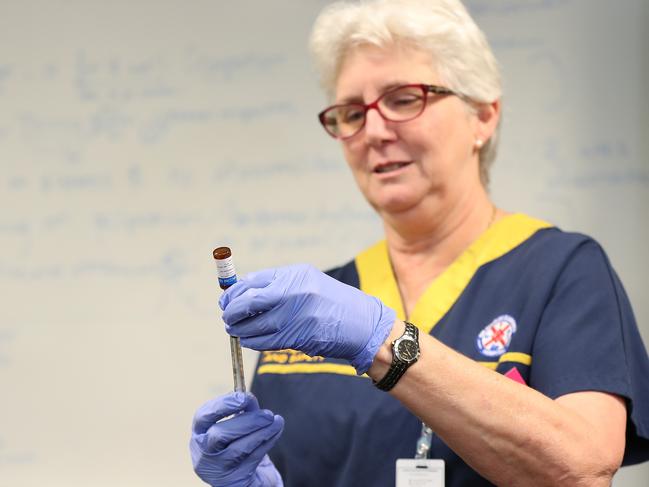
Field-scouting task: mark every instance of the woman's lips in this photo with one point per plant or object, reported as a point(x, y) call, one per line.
point(390, 167)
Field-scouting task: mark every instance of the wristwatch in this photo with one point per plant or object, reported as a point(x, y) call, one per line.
point(405, 352)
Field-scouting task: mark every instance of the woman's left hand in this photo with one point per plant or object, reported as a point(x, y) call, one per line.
point(301, 308)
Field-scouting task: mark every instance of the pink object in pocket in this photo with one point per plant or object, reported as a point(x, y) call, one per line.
point(515, 375)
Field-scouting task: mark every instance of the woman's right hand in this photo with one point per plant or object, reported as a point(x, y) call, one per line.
point(232, 452)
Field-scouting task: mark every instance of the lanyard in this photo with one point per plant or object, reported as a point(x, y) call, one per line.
point(424, 441)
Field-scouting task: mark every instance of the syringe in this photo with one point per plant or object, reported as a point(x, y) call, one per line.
point(227, 277)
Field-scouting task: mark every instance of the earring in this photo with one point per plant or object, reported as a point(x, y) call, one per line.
point(478, 143)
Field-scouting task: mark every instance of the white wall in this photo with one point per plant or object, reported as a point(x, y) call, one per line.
point(137, 136)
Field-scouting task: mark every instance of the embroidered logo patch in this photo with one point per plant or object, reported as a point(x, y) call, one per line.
point(495, 338)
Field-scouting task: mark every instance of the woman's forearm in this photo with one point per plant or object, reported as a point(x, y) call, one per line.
point(509, 433)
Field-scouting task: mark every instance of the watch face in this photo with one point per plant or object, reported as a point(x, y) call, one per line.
point(407, 350)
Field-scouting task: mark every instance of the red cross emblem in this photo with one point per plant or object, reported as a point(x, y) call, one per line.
point(494, 339)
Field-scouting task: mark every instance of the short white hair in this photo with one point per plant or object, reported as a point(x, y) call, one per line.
point(458, 48)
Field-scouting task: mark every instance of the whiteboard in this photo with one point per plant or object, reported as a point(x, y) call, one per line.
point(137, 136)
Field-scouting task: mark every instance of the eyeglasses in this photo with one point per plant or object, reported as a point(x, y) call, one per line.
point(400, 104)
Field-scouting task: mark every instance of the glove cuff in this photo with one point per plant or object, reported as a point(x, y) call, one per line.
point(364, 360)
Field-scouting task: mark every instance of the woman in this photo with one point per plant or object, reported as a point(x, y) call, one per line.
point(416, 107)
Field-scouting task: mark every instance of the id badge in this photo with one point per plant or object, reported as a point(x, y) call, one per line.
point(420, 473)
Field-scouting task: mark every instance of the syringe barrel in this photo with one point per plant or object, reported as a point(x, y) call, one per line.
point(227, 277)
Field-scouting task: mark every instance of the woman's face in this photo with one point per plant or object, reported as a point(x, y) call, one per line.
point(428, 163)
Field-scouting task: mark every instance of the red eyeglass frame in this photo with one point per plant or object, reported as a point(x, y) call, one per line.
point(425, 88)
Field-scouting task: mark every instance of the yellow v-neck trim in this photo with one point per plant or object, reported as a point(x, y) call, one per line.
point(377, 278)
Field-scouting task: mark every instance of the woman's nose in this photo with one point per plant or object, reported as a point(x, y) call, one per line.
point(377, 129)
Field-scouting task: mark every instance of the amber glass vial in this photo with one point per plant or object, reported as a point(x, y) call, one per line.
point(225, 267)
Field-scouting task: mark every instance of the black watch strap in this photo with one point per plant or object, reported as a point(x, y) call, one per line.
point(398, 367)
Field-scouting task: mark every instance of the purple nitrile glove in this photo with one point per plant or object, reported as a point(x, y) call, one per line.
point(232, 452)
point(301, 308)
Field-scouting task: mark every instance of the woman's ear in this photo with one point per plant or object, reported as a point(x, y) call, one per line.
point(488, 115)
